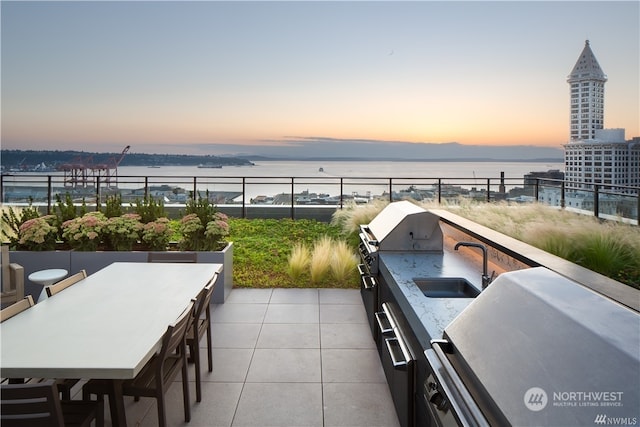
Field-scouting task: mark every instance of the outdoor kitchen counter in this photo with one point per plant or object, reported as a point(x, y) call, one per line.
point(427, 316)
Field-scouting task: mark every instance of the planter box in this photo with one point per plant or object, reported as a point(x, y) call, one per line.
point(74, 261)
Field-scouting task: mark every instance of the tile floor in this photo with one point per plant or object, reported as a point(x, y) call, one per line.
point(285, 357)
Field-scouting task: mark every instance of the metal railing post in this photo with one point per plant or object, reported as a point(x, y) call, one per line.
point(488, 190)
point(195, 188)
point(292, 189)
point(439, 190)
point(49, 191)
point(638, 207)
point(98, 193)
point(596, 201)
point(562, 194)
point(341, 193)
point(536, 189)
point(244, 201)
point(146, 188)
point(390, 190)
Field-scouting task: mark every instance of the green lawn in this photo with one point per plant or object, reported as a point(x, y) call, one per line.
point(262, 248)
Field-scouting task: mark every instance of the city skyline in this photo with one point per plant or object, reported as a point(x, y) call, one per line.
point(198, 77)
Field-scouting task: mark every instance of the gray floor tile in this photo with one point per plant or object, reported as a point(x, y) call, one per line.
point(238, 313)
point(340, 296)
point(286, 335)
point(351, 366)
point(294, 296)
point(230, 365)
point(136, 412)
point(285, 366)
point(294, 357)
point(341, 313)
point(346, 336)
point(219, 401)
point(234, 335)
point(292, 313)
point(355, 405)
point(284, 404)
point(249, 295)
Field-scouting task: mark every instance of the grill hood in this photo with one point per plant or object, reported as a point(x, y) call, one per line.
point(538, 349)
point(403, 226)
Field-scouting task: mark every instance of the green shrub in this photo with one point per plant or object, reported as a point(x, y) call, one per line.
point(149, 209)
point(113, 206)
point(201, 207)
point(66, 210)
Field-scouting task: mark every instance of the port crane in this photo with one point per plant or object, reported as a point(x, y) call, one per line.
point(83, 172)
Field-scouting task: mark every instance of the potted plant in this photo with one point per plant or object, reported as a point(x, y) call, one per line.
point(157, 234)
point(198, 237)
point(122, 233)
point(84, 233)
point(37, 234)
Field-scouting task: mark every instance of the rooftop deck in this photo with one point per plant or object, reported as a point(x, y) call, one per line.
point(284, 357)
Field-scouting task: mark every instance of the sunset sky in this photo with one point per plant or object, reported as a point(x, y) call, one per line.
point(172, 76)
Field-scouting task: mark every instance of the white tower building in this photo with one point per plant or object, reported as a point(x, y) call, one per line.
point(587, 95)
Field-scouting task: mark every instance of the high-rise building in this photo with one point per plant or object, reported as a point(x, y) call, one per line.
point(595, 155)
point(587, 95)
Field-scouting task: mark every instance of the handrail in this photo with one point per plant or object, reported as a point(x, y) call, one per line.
point(601, 200)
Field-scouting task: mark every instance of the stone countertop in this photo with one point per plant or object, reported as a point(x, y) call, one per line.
point(430, 314)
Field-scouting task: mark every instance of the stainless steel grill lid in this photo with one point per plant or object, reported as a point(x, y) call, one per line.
point(538, 349)
point(403, 226)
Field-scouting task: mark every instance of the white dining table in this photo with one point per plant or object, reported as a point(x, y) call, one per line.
point(107, 326)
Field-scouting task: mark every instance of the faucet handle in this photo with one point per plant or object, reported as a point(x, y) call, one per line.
point(486, 279)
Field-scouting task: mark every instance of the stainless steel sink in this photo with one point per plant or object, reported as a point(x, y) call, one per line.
point(446, 287)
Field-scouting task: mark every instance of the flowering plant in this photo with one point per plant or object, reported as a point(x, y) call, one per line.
point(196, 237)
point(38, 234)
point(157, 234)
point(84, 233)
point(218, 228)
point(122, 232)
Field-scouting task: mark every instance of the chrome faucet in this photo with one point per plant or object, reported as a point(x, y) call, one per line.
point(486, 279)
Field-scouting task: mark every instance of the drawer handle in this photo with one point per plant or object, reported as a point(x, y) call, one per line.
point(369, 282)
point(383, 322)
point(393, 343)
point(361, 270)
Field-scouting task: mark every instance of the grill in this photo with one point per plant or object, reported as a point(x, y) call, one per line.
point(399, 227)
point(536, 349)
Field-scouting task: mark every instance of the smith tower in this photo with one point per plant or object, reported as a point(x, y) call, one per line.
point(587, 96)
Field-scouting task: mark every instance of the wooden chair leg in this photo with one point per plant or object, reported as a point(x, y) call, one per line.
point(209, 346)
point(196, 359)
point(185, 388)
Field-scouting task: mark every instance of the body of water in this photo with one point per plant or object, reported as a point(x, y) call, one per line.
point(324, 175)
point(346, 169)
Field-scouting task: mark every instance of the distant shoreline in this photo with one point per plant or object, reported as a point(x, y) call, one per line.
point(445, 160)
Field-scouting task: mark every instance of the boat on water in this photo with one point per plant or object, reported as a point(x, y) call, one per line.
point(321, 170)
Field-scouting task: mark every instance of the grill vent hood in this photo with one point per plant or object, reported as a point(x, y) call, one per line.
point(403, 226)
